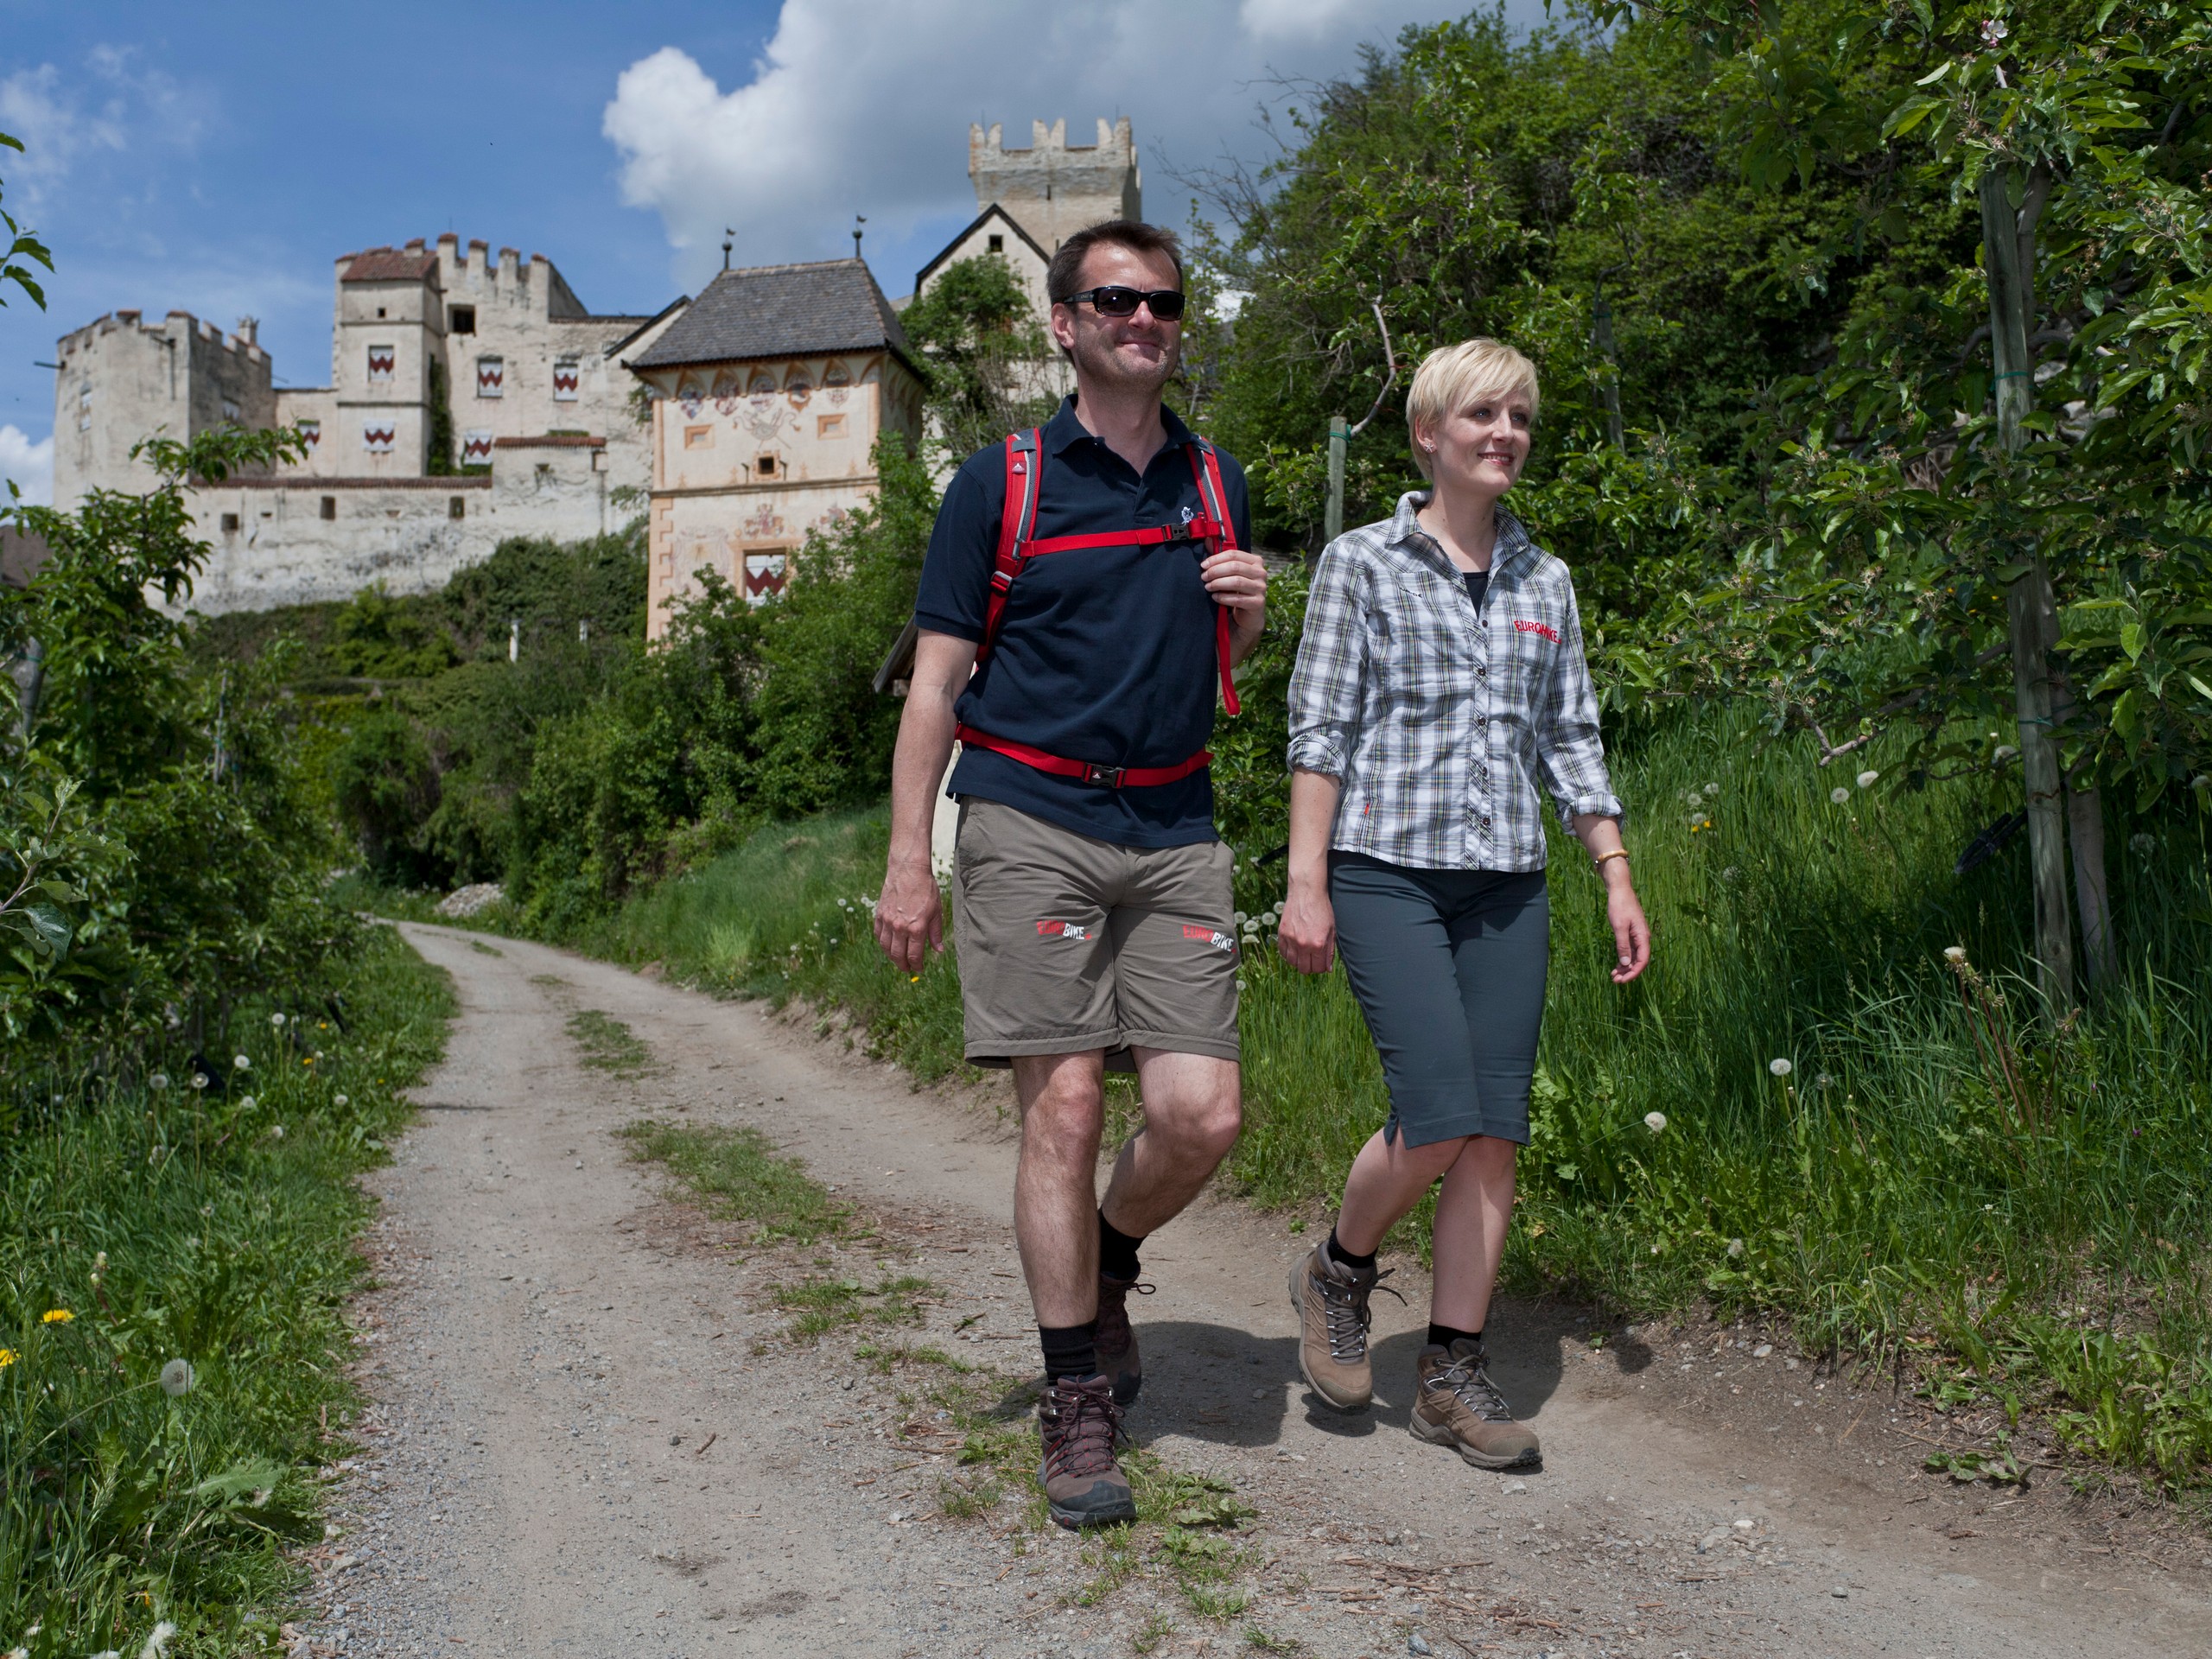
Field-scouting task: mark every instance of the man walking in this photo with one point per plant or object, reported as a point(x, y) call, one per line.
point(1085, 594)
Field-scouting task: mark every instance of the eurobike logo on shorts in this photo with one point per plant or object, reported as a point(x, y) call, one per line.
point(1206, 935)
point(1066, 930)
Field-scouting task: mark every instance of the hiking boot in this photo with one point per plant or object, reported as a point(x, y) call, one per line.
point(1117, 1343)
point(1330, 1302)
point(1082, 1483)
point(1457, 1405)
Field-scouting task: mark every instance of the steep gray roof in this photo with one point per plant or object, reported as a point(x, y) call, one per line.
point(780, 311)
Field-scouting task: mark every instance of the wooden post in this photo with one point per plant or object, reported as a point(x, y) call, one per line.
point(2029, 598)
point(1332, 524)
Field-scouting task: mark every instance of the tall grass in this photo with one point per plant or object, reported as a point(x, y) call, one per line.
point(173, 1266)
point(1941, 1168)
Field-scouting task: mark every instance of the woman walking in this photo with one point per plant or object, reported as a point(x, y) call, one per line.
point(1440, 680)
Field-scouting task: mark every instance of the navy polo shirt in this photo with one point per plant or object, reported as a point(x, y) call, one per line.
point(1105, 654)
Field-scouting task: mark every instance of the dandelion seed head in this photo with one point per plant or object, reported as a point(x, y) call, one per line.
point(246, 1104)
point(276, 1020)
point(199, 1079)
point(1712, 790)
point(2142, 843)
point(1655, 1121)
point(1954, 953)
point(158, 1642)
point(1823, 1081)
point(1735, 1247)
point(158, 1081)
point(275, 1131)
point(1868, 779)
point(1839, 794)
point(339, 1100)
point(1781, 1068)
point(176, 1378)
point(242, 1063)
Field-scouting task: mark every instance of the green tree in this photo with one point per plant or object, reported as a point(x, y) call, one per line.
point(23, 246)
point(984, 350)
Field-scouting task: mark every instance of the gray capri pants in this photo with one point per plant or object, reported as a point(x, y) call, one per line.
point(1448, 966)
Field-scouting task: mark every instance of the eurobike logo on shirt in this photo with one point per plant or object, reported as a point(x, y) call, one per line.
point(1066, 930)
point(1546, 629)
point(1208, 936)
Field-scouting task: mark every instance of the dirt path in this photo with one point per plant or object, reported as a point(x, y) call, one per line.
point(589, 1439)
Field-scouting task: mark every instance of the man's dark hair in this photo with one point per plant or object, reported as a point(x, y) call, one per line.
point(1063, 276)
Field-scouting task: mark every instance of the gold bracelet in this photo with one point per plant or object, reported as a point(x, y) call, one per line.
point(1598, 862)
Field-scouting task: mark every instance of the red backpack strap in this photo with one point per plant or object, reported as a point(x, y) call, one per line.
point(1205, 466)
point(1025, 465)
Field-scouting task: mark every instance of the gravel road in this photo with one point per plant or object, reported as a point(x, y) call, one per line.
point(588, 1436)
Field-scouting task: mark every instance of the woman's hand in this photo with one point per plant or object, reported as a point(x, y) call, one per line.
point(1307, 936)
point(1631, 932)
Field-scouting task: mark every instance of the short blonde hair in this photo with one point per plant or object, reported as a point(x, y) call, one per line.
point(1453, 378)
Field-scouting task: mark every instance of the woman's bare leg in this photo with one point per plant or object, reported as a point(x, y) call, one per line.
point(1387, 1180)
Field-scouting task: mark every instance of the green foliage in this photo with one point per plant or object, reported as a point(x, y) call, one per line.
point(22, 246)
point(375, 638)
point(980, 340)
point(1474, 182)
point(386, 786)
point(192, 833)
point(212, 1239)
point(734, 1170)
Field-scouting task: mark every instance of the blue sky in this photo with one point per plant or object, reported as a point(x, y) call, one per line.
point(216, 158)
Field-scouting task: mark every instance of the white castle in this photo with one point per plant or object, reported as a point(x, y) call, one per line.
point(471, 399)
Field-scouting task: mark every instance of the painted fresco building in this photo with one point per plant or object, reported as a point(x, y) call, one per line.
point(768, 393)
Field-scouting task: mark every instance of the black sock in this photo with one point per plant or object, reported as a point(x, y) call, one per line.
point(1070, 1349)
point(1362, 1263)
point(1443, 1335)
point(1117, 1251)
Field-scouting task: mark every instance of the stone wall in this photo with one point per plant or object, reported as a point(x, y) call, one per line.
point(1055, 188)
point(297, 540)
point(120, 380)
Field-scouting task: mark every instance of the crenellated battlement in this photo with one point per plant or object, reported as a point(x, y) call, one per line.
point(1053, 187)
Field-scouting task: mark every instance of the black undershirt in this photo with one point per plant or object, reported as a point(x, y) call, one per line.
point(1477, 585)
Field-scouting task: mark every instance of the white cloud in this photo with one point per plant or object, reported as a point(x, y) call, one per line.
point(28, 466)
point(113, 105)
point(1294, 20)
point(858, 107)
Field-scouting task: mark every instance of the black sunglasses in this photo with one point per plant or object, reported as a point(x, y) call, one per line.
point(1166, 303)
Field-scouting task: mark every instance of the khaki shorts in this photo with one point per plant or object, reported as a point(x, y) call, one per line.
point(1068, 944)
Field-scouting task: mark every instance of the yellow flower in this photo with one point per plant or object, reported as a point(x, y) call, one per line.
point(6, 1357)
point(56, 1316)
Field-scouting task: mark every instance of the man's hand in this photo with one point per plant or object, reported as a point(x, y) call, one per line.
point(910, 914)
point(1239, 580)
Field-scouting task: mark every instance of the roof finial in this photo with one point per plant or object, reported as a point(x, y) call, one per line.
point(729, 239)
point(859, 219)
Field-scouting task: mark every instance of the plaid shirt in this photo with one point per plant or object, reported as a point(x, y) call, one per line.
point(1439, 722)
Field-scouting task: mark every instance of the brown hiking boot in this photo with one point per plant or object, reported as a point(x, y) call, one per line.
point(1330, 1302)
point(1457, 1405)
point(1083, 1484)
point(1117, 1343)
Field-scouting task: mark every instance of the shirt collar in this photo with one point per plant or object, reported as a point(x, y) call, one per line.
point(1406, 530)
point(1065, 429)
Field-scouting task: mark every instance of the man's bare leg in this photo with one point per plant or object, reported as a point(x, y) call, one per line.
point(1063, 1104)
point(1192, 1109)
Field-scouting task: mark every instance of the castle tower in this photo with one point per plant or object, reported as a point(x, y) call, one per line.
point(390, 331)
point(1055, 188)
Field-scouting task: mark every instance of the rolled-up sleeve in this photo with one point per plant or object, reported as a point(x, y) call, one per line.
point(1569, 744)
point(1326, 688)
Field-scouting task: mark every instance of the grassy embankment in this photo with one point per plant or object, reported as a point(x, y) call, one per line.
point(173, 1269)
point(2022, 1211)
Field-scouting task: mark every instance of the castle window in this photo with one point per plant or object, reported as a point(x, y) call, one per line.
point(490, 377)
point(565, 373)
point(456, 506)
point(230, 411)
point(829, 425)
point(312, 431)
point(461, 320)
point(383, 360)
point(997, 242)
point(698, 437)
point(379, 311)
point(229, 524)
point(766, 467)
point(329, 507)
